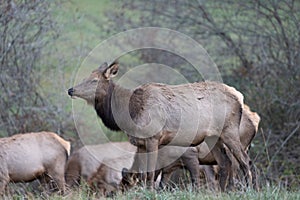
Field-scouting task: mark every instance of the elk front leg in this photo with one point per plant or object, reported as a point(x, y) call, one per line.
point(139, 166)
point(152, 150)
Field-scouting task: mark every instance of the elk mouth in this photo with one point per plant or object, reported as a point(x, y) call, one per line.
point(75, 94)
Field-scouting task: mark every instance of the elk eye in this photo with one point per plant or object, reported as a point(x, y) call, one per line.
point(94, 80)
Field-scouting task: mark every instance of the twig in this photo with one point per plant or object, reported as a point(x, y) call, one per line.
point(282, 145)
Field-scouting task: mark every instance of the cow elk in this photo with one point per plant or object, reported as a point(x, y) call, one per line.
point(26, 157)
point(158, 114)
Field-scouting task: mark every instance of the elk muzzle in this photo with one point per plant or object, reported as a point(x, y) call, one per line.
point(70, 91)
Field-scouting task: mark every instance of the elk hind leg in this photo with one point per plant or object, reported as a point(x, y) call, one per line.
point(235, 147)
point(57, 175)
point(222, 159)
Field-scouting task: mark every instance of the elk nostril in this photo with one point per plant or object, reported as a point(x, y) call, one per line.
point(70, 91)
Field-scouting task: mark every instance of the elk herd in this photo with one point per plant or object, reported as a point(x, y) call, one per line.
point(203, 127)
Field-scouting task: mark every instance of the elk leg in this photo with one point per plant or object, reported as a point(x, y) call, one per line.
point(235, 147)
point(156, 174)
point(209, 176)
point(225, 167)
point(139, 165)
point(166, 174)
point(191, 163)
point(72, 173)
point(57, 175)
point(152, 151)
point(222, 159)
point(106, 188)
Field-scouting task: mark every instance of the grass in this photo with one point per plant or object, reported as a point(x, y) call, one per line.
point(266, 193)
point(83, 193)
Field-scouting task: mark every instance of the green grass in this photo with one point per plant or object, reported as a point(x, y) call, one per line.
point(83, 193)
point(267, 193)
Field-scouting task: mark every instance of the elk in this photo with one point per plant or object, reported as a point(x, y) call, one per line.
point(28, 156)
point(159, 114)
point(202, 156)
point(84, 162)
point(107, 179)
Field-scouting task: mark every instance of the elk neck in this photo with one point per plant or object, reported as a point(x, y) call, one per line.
point(103, 106)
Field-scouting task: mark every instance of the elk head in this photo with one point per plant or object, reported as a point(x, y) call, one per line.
point(96, 85)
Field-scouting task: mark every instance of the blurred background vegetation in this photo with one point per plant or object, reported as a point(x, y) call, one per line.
point(255, 44)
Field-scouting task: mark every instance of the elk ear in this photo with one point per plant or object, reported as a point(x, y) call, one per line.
point(103, 66)
point(111, 71)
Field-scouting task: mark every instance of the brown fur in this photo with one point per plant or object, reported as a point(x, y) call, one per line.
point(84, 162)
point(108, 177)
point(248, 129)
point(25, 157)
point(249, 126)
point(165, 114)
point(73, 170)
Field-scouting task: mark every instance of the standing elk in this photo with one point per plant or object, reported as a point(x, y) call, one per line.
point(180, 115)
point(84, 162)
point(26, 157)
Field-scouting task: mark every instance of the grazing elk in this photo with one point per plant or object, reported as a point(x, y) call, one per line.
point(201, 154)
point(25, 157)
point(108, 177)
point(159, 114)
point(84, 162)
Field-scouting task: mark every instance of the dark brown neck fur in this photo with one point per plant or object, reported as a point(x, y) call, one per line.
point(103, 106)
point(103, 109)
